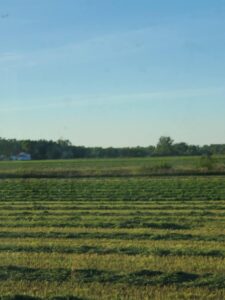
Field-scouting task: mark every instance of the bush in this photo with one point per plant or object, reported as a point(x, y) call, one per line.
point(206, 162)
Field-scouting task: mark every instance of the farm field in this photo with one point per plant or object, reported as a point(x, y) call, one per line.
point(111, 238)
point(117, 167)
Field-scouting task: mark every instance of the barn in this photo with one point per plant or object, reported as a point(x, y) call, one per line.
point(23, 156)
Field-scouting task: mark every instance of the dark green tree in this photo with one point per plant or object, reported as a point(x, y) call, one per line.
point(165, 146)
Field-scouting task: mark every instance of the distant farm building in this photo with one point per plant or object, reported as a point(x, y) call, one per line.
point(22, 156)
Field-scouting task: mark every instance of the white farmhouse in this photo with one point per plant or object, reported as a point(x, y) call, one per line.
point(23, 156)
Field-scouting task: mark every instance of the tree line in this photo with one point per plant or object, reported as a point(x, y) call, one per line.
point(63, 149)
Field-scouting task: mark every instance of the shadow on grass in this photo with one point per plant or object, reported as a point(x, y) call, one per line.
point(104, 250)
point(141, 278)
point(26, 297)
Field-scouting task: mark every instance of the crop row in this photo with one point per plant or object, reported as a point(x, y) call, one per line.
point(88, 237)
point(118, 213)
point(174, 236)
point(142, 277)
point(131, 224)
point(105, 206)
point(143, 189)
point(85, 249)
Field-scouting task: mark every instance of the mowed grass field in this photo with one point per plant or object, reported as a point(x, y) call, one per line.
point(111, 237)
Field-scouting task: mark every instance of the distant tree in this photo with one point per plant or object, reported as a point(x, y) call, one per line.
point(165, 146)
point(64, 143)
point(63, 149)
point(194, 150)
point(180, 149)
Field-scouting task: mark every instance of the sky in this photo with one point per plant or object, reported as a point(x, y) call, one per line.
point(113, 72)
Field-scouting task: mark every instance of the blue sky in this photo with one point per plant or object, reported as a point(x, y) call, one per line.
point(113, 72)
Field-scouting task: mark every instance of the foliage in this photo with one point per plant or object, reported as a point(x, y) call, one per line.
point(63, 149)
point(207, 162)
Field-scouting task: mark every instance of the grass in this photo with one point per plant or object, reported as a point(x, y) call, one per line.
point(24, 297)
point(107, 190)
point(103, 237)
point(142, 277)
point(119, 167)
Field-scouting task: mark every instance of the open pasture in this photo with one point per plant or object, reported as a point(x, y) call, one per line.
point(117, 167)
point(113, 238)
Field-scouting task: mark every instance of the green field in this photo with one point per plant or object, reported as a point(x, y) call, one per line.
point(98, 236)
point(119, 167)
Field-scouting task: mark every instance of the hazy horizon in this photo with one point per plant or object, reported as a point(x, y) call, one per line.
point(113, 73)
point(124, 146)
